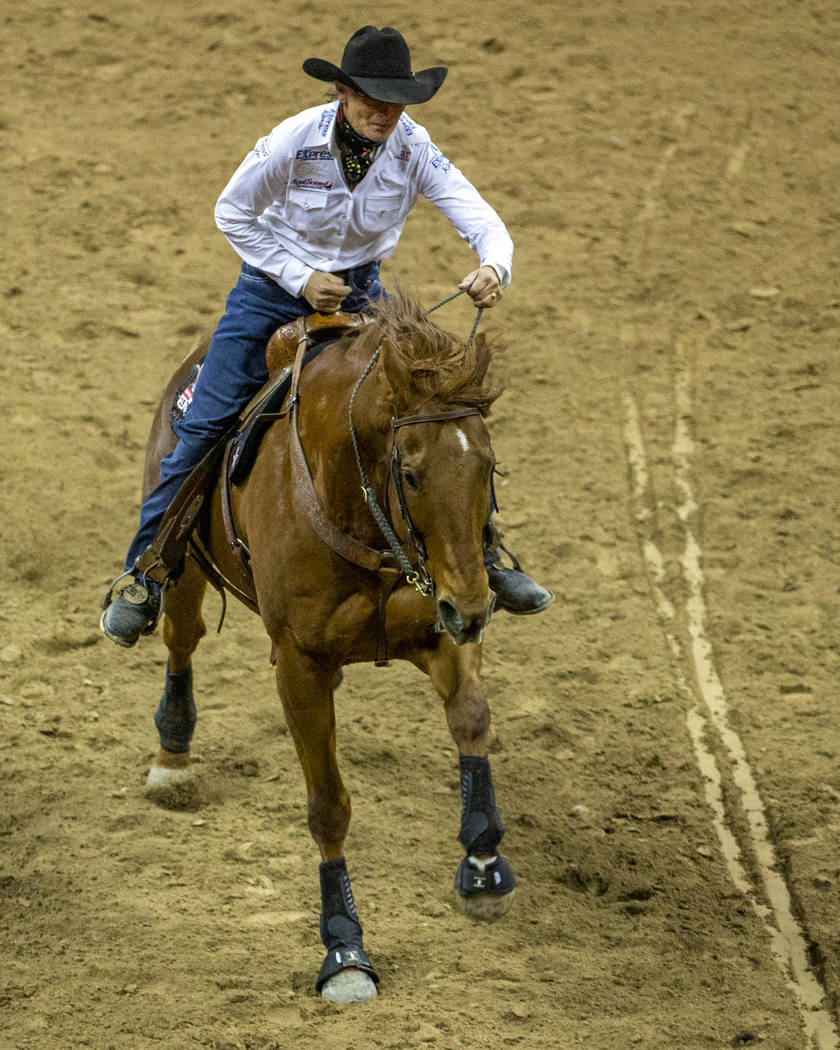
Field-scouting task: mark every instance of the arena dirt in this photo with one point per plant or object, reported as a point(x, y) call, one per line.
point(668, 172)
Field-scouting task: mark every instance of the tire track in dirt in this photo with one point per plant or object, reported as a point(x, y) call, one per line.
point(694, 667)
point(788, 942)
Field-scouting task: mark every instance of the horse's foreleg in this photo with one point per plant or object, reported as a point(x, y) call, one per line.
point(183, 628)
point(305, 688)
point(484, 882)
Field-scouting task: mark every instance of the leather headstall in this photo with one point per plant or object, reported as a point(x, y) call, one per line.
point(414, 535)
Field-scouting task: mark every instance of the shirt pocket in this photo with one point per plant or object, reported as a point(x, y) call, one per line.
point(381, 213)
point(307, 199)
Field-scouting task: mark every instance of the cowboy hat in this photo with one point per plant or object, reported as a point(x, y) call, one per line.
point(377, 62)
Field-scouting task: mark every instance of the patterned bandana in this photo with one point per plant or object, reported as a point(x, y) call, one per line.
point(357, 152)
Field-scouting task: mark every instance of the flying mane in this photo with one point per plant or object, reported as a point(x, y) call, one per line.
point(429, 362)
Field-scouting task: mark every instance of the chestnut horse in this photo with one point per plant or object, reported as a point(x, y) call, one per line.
point(387, 424)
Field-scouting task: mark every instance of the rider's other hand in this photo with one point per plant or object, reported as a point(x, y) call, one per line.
point(483, 287)
point(325, 292)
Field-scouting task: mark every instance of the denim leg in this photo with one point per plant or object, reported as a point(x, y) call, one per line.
point(233, 371)
point(365, 285)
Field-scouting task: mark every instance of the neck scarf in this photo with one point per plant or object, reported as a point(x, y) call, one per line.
point(357, 152)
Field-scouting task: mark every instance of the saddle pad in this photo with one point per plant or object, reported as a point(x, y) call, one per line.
point(184, 395)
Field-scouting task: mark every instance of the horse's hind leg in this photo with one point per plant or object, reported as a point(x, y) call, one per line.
point(183, 628)
point(305, 688)
point(484, 882)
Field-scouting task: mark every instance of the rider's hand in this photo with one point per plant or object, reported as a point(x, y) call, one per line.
point(483, 287)
point(325, 292)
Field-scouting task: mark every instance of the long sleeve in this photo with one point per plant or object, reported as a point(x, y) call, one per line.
point(259, 182)
point(476, 221)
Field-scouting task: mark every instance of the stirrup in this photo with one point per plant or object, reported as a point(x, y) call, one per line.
point(151, 566)
point(108, 596)
point(133, 612)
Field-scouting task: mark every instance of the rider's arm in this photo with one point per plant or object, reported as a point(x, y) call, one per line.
point(260, 182)
point(456, 198)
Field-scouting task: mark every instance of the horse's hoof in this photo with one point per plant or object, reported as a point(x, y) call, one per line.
point(485, 907)
point(161, 776)
point(349, 986)
point(472, 880)
point(172, 788)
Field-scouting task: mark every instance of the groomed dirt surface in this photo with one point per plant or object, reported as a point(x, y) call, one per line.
point(668, 173)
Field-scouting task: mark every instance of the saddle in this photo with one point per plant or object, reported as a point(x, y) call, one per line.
point(164, 559)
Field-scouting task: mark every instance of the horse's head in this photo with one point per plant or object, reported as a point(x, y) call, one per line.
point(442, 461)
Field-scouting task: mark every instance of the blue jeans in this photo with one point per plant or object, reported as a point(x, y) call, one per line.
point(233, 371)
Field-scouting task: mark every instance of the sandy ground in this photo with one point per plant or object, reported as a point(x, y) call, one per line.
point(668, 172)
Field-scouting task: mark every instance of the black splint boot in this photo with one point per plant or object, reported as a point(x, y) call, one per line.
point(341, 933)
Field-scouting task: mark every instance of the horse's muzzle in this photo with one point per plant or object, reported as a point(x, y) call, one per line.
point(464, 622)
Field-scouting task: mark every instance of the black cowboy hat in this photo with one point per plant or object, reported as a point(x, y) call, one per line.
point(377, 62)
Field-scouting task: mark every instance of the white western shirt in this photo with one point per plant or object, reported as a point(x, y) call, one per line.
point(288, 210)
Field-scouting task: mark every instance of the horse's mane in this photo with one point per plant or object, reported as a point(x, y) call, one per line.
point(427, 362)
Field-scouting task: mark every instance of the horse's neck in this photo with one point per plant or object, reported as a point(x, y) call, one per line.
point(326, 428)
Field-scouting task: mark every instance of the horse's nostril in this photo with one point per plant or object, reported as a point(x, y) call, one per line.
point(450, 616)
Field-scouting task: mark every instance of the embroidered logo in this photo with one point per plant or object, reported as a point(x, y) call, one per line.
point(407, 124)
point(327, 118)
point(313, 153)
point(262, 148)
point(404, 154)
point(439, 161)
point(312, 184)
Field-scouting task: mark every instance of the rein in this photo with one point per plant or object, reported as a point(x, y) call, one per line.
point(418, 576)
point(449, 299)
point(344, 544)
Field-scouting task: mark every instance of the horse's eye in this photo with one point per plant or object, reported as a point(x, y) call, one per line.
point(410, 480)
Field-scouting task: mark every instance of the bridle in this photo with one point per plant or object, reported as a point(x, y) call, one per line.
point(418, 574)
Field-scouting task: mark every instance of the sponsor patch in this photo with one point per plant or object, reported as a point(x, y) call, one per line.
point(404, 154)
point(313, 153)
point(407, 124)
point(184, 395)
point(327, 118)
point(313, 184)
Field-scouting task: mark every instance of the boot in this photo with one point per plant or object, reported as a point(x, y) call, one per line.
point(515, 591)
point(133, 612)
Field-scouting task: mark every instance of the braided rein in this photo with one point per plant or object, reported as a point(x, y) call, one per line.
point(419, 576)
